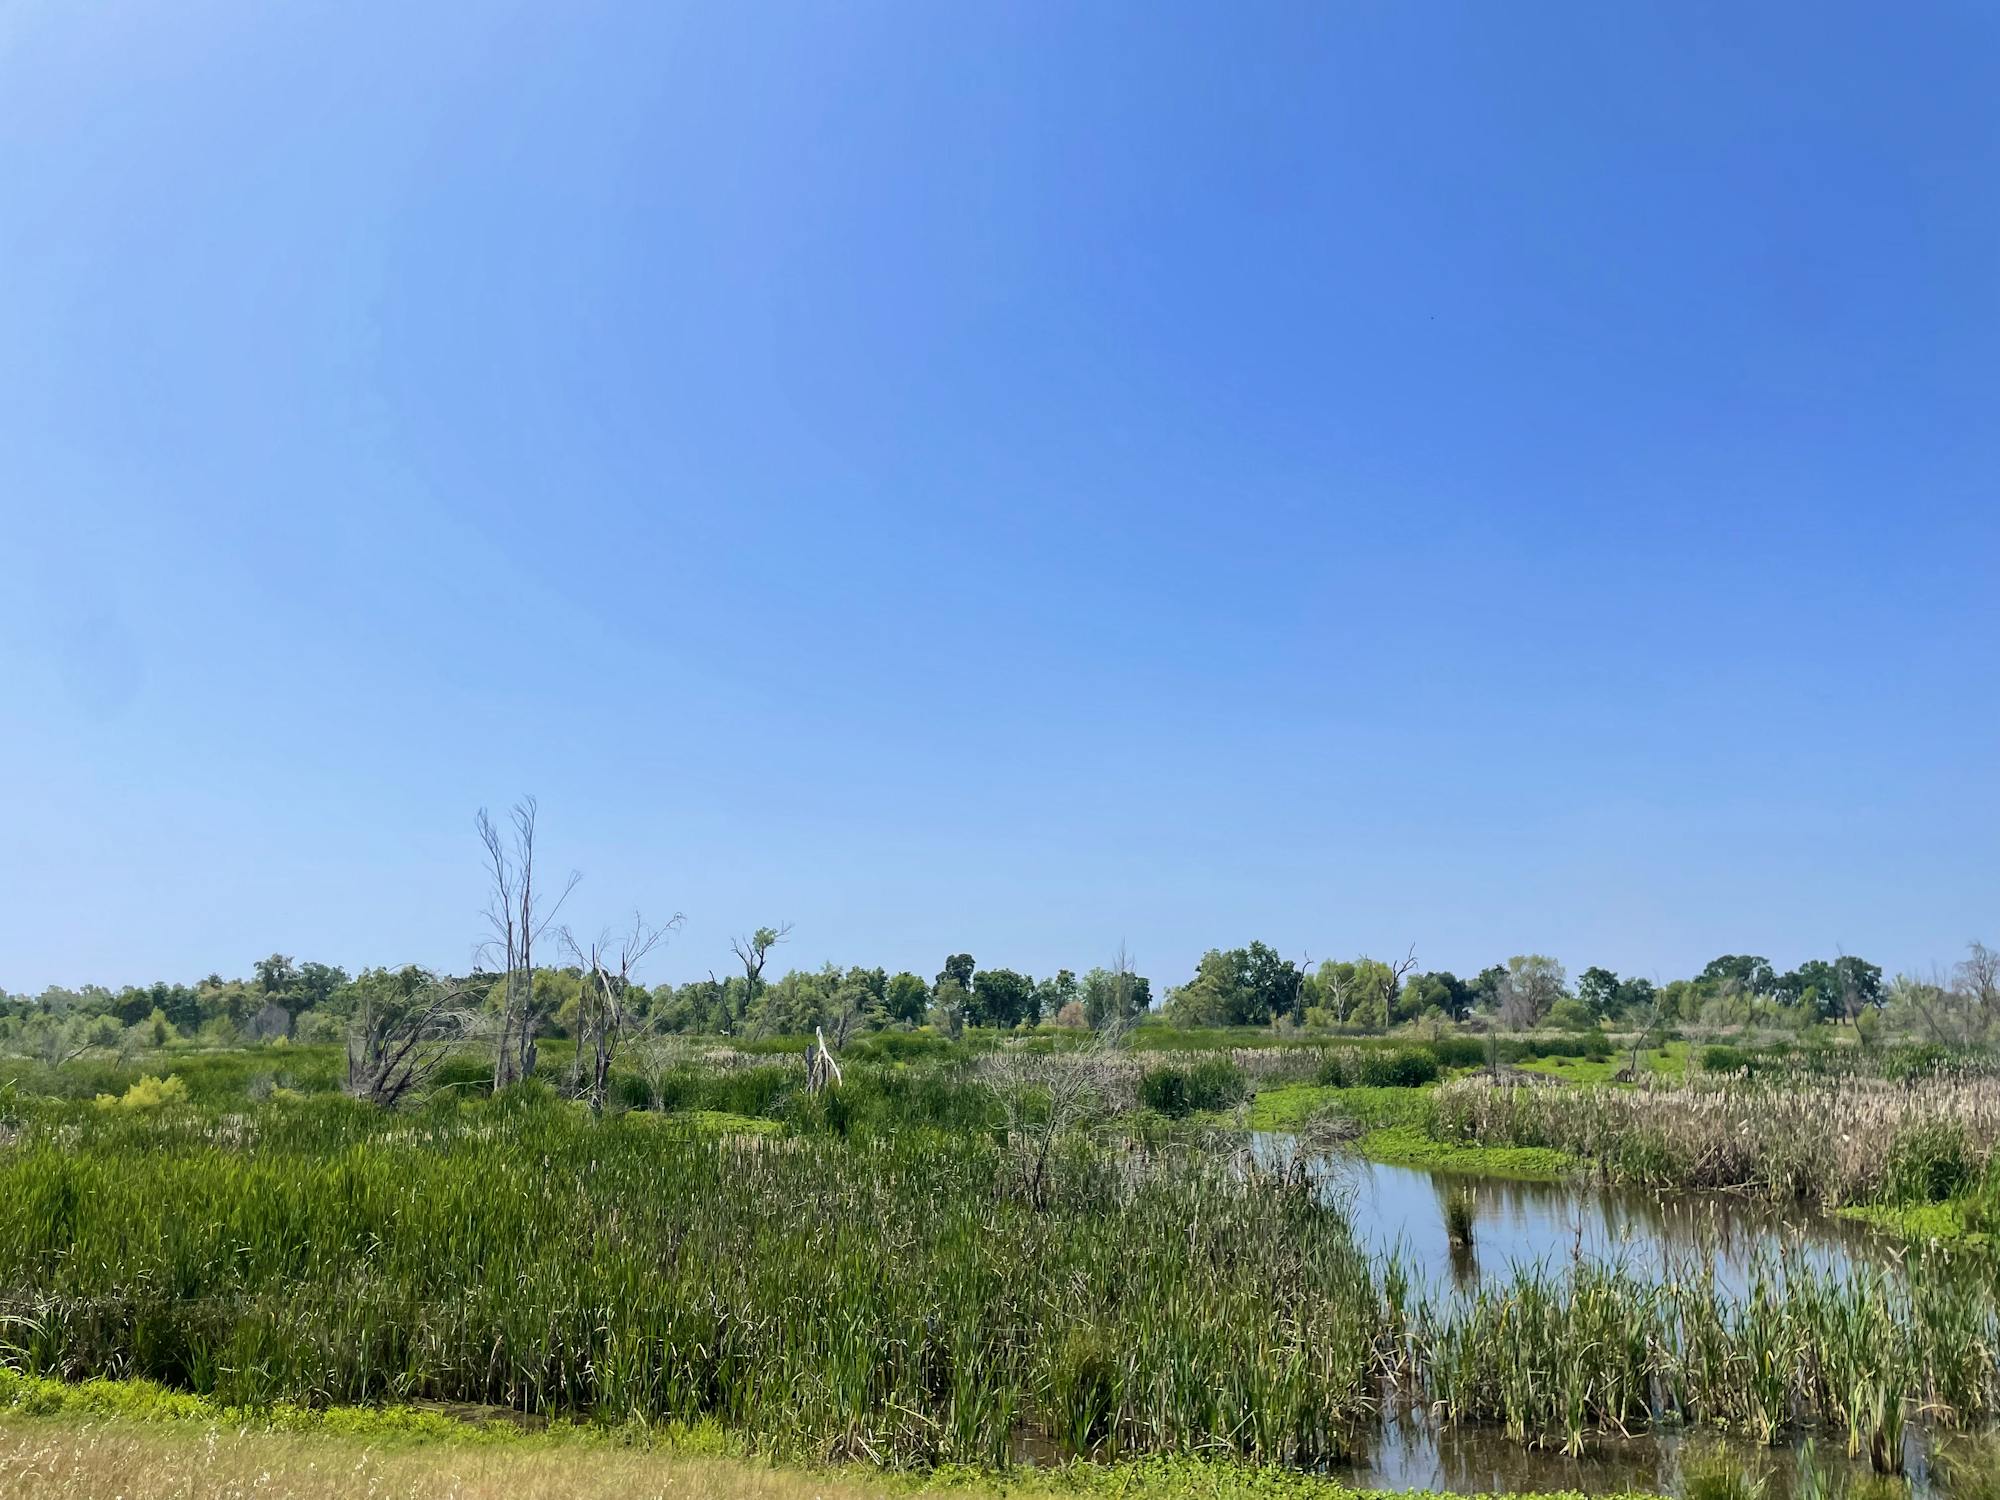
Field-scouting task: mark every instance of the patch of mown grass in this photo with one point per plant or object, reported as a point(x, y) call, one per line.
point(1413, 1146)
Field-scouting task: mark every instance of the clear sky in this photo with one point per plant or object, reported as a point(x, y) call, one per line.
point(1001, 478)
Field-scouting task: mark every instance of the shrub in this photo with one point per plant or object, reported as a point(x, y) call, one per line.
point(148, 1093)
point(1721, 1058)
point(1212, 1083)
point(1459, 1051)
point(1928, 1164)
point(1571, 1015)
point(1398, 1068)
point(1593, 1044)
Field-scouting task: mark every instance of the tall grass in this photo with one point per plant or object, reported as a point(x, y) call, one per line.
point(884, 1294)
point(1832, 1141)
point(880, 1299)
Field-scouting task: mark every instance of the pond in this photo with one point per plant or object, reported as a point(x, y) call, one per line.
point(1525, 1226)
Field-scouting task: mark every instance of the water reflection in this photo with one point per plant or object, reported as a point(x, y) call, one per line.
point(1454, 1230)
point(1408, 1452)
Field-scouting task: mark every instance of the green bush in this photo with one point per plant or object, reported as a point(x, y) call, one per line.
point(1459, 1051)
point(1400, 1068)
point(1213, 1083)
point(1929, 1164)
point(1721, 1058)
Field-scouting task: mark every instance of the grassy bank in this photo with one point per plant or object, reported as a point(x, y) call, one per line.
point(136, 1441)
point(1394, 1127)
point(1414, 1146)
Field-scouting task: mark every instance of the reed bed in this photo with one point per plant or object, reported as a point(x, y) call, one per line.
point(1832, 1141)
point(886, 1295)
point(883, 1300)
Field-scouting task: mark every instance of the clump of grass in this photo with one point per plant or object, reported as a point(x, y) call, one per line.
point(1713, 1474)
point(1374, 1067)
point(1177, 1092)
point(1459, 1212)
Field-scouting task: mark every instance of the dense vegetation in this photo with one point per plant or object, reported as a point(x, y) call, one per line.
point(852, 1214)
point(1250, 986)
point(931, 1262)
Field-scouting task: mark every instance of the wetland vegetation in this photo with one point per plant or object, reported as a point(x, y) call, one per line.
point(1359, 1222)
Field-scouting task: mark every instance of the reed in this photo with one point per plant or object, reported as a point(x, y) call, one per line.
point(1834, 1141)
point(873, 1283)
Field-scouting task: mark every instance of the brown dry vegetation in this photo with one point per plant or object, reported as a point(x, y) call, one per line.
point(89, 1461)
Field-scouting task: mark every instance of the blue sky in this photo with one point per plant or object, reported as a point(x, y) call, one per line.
point(1001, 478)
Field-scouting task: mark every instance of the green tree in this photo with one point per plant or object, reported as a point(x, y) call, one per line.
point(1635, 996)
point(1002, 998)
point(1054, 994)
point(948, 1005)
point(1749, 973)
point(1486, 987)
point(904, 998)
point(1441, 990)
point(958, 967)
point(276, 975)
point(1218, 995)
point(1598, 989)
point(1274, 984)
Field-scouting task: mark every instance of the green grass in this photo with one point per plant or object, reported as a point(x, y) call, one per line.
point(1669, 1061)
point(1395, 1130)
point(721, 1122)
point(1943, 1222)
point(107, 1435)
point(1293, 1105)
point(1413, 1146)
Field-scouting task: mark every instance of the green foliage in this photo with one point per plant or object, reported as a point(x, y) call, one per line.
point(622, 1267)
point(1237, 987)
point(147, 1093)
point(1398, 1068)
point(1720, 1058)
point(1212, 1083)
point(1929, 1164)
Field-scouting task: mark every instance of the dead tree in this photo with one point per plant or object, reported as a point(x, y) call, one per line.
point(600, 1006)
point(403, 1028)
point(1656, 1020)
point(822, 1072)
point(1393, 985)
point(517, 921)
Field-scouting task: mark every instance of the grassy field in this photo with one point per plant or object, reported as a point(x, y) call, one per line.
point(136, 1441)
point(926, 1267)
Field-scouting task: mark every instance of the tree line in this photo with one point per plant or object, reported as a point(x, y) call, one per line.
point(396, 1021)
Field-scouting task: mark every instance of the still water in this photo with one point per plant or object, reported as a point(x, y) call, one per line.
point(1549, 1226)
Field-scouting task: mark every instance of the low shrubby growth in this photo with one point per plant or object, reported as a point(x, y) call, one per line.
point(1377, 1067)
point(1208, 1084)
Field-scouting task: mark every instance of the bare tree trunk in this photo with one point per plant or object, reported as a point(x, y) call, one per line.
point(516, 922)
point(601, 1004)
